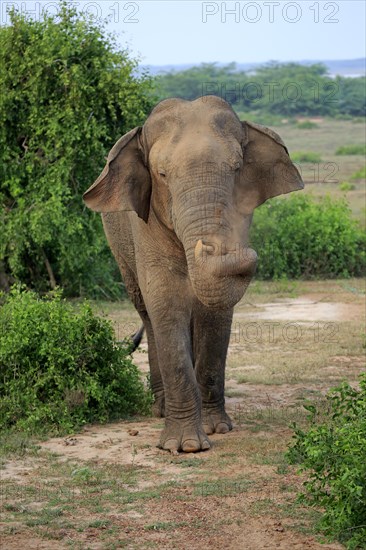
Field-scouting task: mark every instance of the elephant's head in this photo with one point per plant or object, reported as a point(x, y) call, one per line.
point(201, 172)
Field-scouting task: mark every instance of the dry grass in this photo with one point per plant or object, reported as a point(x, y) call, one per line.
point(325, 140)
point(310, 359)
point(324, 177)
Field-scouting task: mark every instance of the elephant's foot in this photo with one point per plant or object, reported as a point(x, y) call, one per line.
point(216, 421)
point(158, 407)
point(181, 437)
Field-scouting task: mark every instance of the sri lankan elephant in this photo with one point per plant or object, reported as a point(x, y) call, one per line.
point(177, 198)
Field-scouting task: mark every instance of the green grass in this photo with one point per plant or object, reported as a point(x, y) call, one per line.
point(351, 150)
point(17, 444)
point(346, 186)
point(306, 156)
point(306, 125)
point(279, 361)
point(187, 462)
point(283, 288)
point(222, 488)
point(360, 174)
point(165, 525)
point(65, 487)
point(260, 117)
point(266, 417)
point(329, 136)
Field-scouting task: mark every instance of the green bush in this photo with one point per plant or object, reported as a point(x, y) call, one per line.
point(351, 150)
point(306, 125)
point(298, 237)
point(360, 174)
point(305, 156)
point(346, 186)
point(61, 368)
point(333, 455)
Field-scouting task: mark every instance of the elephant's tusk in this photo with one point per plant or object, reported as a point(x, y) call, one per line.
point(202, 250)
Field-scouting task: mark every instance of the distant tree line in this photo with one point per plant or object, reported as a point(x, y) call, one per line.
point(287, 89)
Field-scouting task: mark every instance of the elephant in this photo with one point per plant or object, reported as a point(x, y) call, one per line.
point(177, 197)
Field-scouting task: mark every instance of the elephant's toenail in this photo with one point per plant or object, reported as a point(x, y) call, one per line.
point(170, 445)
point(190, 446)
point(208, 429)
point(222, 428)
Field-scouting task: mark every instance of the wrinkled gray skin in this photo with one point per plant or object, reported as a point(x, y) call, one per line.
point(177, 197)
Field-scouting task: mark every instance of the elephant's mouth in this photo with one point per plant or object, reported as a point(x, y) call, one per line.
point(222, 273)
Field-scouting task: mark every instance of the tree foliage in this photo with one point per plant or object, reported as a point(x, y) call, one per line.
point(67, 93)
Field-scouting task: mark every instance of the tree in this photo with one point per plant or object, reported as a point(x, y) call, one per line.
point(204, 79)
point(291, 89)
point(352, 95)
point(67, 93)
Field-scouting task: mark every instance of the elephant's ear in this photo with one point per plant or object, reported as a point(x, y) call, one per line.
point(267, 168)
point(125, 182)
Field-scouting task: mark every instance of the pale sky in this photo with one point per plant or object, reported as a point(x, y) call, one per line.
point(174, 32)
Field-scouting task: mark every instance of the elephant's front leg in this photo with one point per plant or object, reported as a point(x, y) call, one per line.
point(211, 335)
point(170, 318)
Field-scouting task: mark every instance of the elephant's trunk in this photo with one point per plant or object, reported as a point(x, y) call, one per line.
point(225, 262)
point(214, 235)
point(221, 275)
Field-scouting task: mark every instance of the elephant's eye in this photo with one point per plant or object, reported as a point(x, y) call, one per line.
point(162, 172)
point(237, 165)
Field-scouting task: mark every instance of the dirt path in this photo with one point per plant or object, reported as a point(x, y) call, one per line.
point(111, 487)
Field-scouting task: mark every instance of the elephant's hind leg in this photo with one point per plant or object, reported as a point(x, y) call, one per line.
point(135, 296)
point(156, 382)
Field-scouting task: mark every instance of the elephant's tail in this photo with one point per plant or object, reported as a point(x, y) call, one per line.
point(133, 341)
point(137, 337)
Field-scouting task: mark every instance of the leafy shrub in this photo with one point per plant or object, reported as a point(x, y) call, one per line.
point(360, 174)
point(305, 156)
point(346, 186)
point(351, 150)
point(298, 237)
point(306, 125)
point(61, 368)
point(333, 454)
